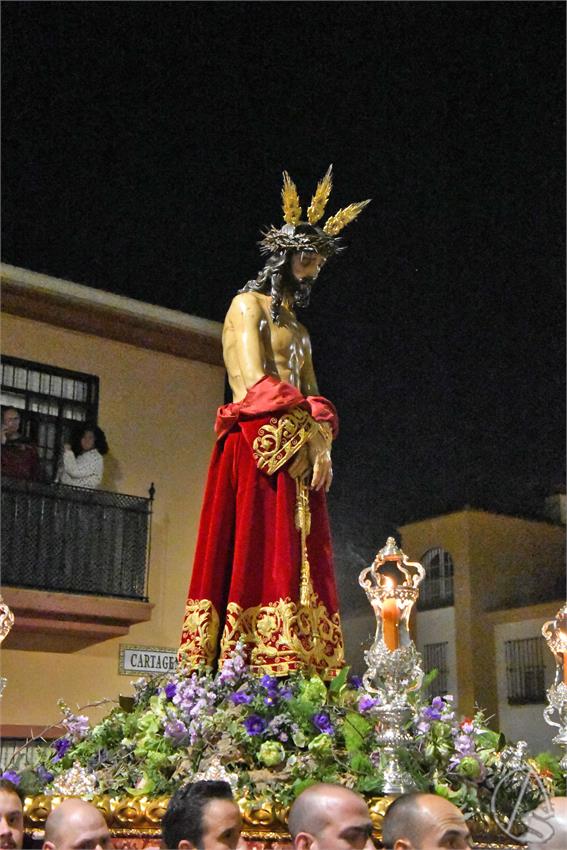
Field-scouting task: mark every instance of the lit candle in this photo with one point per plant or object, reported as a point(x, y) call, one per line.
point(391, 620)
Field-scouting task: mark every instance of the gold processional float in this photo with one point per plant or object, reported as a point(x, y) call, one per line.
point(394, 670)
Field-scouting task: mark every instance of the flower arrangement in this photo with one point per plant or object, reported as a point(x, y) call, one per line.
point(272, 738)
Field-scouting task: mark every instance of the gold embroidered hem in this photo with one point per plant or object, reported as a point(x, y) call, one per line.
point(284, 637)
point(200, 633)
point(281, 637)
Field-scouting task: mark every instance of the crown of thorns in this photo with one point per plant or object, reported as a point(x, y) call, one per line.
point(324, 241)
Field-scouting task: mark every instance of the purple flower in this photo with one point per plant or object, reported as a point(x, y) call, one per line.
point(176, 730)
point(241, 698)
point(467, 727)
point(435, 710)
point(423, 726)
point(277, 724)
point(233, 667)
point(365, 703)
point(255, 724)
point(193, 699)
point(286, 693)
point(77, 725)
point(355, 682)
point(271, 698)
point(269, 682)
point(376, 758)
point(464, 745)
point(43, 774)
point(11, 776)
point(323, 723)
point(61, 745)
point(170, 690)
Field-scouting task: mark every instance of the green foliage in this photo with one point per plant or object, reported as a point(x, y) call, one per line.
point(356, 730)
point(275, 738)
point(548, 766)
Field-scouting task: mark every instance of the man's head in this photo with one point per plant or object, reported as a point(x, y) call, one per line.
point(547, 825)
point(11, 816)
point(11, 421)
point(76, 825)
point(202, 816)
point(289, 274)
point(330, 817)
point(289, 270)
point(424, 822)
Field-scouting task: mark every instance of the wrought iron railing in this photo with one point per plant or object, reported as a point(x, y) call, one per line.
point(73, 540)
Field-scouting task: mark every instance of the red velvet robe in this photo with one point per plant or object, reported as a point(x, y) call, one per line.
point(245, 580)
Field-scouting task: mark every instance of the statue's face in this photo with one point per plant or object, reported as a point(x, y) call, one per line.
point(306, 264)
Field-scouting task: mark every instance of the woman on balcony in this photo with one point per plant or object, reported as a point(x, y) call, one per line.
point(82, 464)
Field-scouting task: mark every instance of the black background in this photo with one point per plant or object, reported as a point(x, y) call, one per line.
point(143, 150)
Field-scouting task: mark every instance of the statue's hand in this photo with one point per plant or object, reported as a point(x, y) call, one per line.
point(300, 466)
point(320, 459)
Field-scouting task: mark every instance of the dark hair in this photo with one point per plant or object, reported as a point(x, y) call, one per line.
point(78, 433)
point(276, 277)
point(403, 820)
point(183, 819)
point(11, 788)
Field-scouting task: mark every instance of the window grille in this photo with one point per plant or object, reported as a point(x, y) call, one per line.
point(435, 658)
point(12, 751)
point(436, 590)
point(51, 401)
point(525, 671)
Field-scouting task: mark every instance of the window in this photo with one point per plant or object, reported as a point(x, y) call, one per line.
point(525, 671)
point(51, 402)
point(437, 588)
point(435, 658)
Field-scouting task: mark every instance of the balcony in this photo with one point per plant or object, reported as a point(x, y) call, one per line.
point(74, 564)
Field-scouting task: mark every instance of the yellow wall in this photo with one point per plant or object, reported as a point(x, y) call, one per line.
point(497, 558)
point(451, 532)
point(157, 411)
point(512, 559)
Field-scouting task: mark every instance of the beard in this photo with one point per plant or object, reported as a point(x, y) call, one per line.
point(302, 291)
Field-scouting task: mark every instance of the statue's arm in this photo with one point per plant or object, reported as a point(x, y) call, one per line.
point(319, 446)
point(245, 355)
point(308, 381)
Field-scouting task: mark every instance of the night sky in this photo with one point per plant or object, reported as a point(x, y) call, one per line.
point(143, 150)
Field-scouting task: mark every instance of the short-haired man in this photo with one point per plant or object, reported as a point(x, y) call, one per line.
point(76, 825)
point(11, 816)
point(547, 825)
point(330, 817)
point(202, 816)
point(18, 458)
point(420, 821)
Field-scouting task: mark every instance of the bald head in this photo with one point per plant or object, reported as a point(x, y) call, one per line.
point(330, 817)
point(76, 824)
point(547, 825)
point(424, 822)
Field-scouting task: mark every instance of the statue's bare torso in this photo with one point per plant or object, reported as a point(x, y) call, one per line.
point(255, 346)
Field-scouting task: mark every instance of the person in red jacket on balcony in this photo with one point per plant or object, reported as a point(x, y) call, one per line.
point(19, 457)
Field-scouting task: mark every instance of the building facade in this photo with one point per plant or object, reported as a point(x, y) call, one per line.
point(492, 581)
point(153, 379)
